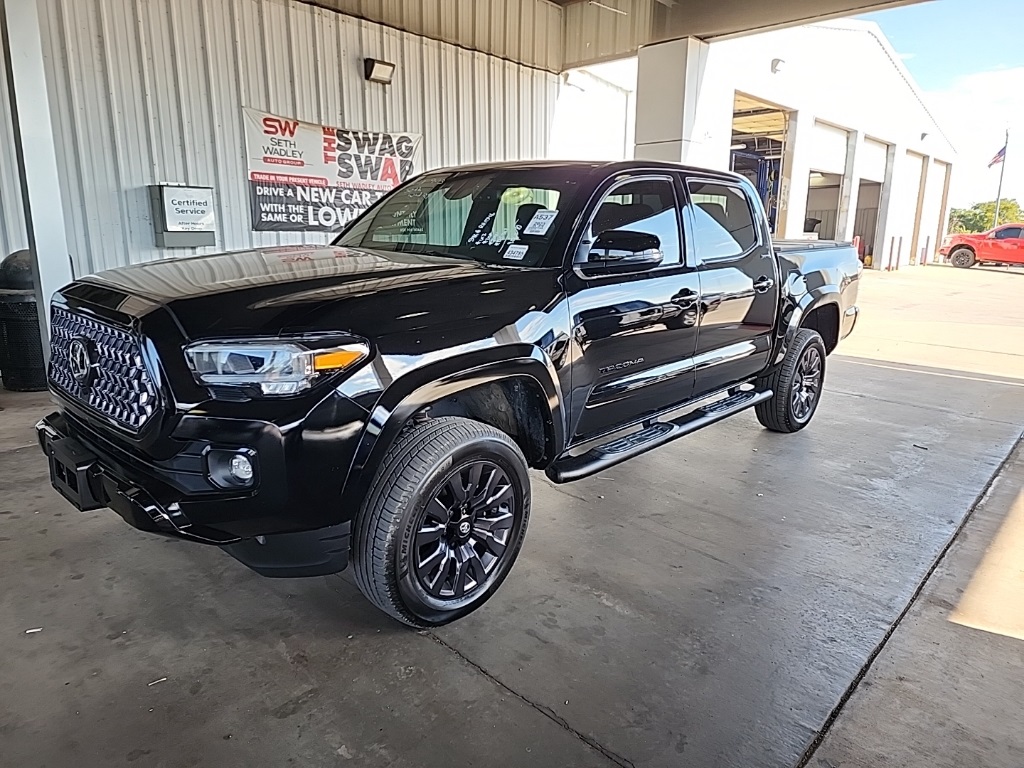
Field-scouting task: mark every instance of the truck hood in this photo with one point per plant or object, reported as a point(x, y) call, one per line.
point(310, 289)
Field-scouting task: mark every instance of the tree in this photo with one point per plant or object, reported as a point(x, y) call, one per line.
point(978, 218)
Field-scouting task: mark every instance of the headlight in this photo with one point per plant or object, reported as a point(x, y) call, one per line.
point(270, 366)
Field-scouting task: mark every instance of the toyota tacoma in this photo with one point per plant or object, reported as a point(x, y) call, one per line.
point(380, 401)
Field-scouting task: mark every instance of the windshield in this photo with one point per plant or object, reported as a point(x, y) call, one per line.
point(499, 217)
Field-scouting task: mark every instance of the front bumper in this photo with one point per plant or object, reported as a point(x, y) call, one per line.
point(80, 475)
point(276, 530)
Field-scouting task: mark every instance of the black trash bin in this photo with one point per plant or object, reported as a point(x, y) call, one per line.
point(22, 367)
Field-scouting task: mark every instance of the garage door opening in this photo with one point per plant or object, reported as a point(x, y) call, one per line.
point(758, 143)
point(822, 205)
point(865, 223)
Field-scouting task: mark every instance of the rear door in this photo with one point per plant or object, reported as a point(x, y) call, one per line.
point(739, 282)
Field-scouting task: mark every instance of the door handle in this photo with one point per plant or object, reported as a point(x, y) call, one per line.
point(686, 299)
point(763, 284)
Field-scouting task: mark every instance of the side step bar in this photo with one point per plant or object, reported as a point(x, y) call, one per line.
point(609, 454)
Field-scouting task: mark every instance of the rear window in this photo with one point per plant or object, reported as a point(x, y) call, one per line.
point(724, 225)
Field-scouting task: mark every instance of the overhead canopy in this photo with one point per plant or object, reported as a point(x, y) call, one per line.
point(559, 34)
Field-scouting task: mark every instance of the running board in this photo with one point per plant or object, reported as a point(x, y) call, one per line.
point(569, 468)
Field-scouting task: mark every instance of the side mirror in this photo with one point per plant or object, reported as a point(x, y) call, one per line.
point(626, 248)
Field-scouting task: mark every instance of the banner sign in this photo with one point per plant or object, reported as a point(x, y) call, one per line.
point(314, 178)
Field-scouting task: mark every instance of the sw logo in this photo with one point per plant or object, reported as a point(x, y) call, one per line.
point(276, 126)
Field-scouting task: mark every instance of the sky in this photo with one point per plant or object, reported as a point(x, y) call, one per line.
point(967, 57)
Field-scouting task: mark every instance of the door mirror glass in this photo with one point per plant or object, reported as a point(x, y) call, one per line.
point(624, 246)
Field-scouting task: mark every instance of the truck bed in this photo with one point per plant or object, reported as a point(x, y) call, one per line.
point(791, 246)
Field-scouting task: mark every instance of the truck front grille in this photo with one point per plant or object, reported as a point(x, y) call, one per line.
point(115, 383)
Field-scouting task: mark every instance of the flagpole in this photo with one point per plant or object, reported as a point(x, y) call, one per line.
point(1002, 170)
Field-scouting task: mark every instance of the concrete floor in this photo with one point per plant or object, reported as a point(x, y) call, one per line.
point(711, 603)
point(945, 690)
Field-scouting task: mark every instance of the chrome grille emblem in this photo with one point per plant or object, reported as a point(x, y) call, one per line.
point(80, 362)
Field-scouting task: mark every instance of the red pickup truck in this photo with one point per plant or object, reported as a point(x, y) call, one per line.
point(1002, 245)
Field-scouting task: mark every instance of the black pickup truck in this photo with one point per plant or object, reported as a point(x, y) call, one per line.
point(381, 400)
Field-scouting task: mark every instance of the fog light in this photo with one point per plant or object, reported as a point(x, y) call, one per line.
point(241, 468)
point(231, 468)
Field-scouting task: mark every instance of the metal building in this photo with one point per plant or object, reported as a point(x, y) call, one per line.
point(824, 118)
point(107, 104)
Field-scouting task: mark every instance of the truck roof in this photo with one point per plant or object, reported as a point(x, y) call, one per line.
point(590, 167)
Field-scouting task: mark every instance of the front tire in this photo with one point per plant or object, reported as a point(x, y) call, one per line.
point(443, 522)
point(797, 385)
point(963, 258)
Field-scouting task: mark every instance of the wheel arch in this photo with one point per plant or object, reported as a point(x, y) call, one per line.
point(825, 319)
point(810, 311)
point(517, 394)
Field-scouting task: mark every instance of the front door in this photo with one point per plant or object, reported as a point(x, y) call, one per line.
point(1006, 245)
point(634, 328)
point(739, 284)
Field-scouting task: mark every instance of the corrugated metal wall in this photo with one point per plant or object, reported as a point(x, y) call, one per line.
point(594, 33)
point(150, 91)
point(13, 236)
point(602, 106)
point(527, 31)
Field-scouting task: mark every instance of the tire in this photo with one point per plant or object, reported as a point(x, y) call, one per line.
point(423, 553)
point(789, 409)
point(963, 258)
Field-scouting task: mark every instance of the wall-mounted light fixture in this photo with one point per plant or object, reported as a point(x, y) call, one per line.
point(778, 65)
point(377, 71)
point(924, 135)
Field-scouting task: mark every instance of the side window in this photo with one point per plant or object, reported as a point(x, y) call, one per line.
point(647, 206)
point(724, 223)
point(1010, 233)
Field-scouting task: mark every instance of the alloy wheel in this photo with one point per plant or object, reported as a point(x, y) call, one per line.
point(807, 384)
point(465, 531)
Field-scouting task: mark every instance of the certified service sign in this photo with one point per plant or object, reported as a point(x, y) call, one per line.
point(188, 209)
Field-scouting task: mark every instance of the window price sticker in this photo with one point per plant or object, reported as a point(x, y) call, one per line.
point(541, 222)
point(516, 252)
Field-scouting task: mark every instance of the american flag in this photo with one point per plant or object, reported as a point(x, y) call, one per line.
point(1000, 156)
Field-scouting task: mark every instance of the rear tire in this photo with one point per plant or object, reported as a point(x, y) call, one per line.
point(963, 258)
point(443, 521)
point(797, 385)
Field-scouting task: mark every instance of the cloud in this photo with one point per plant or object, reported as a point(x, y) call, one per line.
point(906, 56)
point(974, 112)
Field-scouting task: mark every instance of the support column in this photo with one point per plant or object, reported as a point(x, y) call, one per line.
point(669, 79)
point(796, 176)
point(849, 190)
point(922, 192)
point(885, 238)
point(36, 153)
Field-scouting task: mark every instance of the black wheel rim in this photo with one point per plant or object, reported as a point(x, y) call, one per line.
point(807, 384)
point(465, 531)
